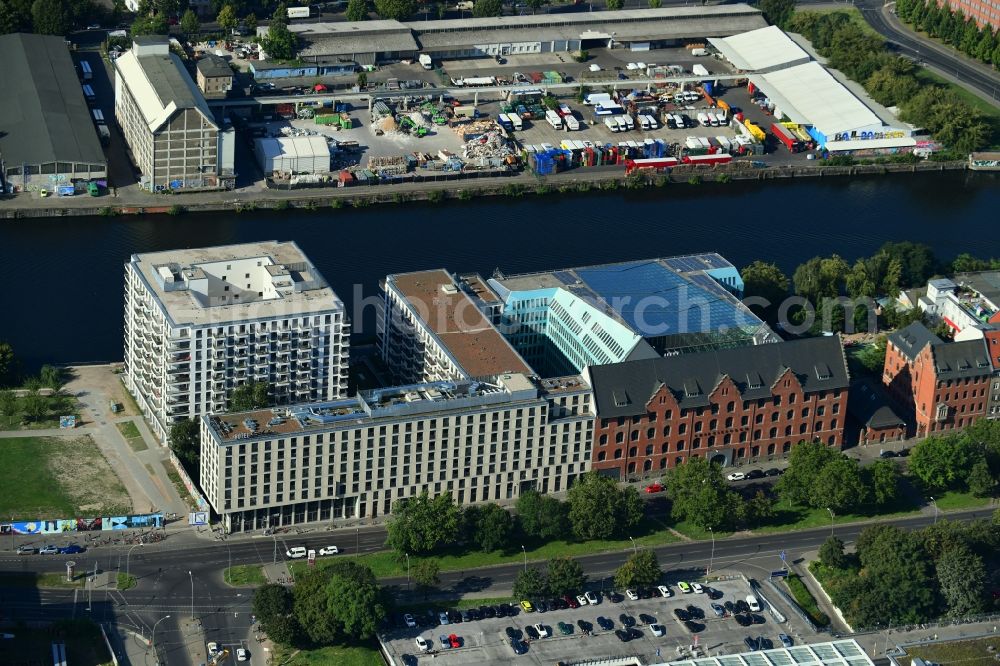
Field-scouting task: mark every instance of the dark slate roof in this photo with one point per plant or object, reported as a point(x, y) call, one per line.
point(912, 339)
point(868, 404)
point(212, 65)
point(43, 116)
point(623, 389)
point(958, 360)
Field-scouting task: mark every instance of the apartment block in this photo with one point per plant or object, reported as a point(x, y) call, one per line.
point(215, 76)
point(729, 405)
point(201, 322)
point(173, 136)
point(482, 440)
point(940, 386)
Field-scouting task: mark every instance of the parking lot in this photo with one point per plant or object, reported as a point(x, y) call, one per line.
point(582, 637)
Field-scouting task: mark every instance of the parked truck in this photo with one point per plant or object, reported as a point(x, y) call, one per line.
point(554, 119)
point(572, 124)
point(786, 138)
point(504, 121)
point(298, 12)
point(425, 61)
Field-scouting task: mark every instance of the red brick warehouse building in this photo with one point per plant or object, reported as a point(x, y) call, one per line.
point(941, 385)
point(732, 405)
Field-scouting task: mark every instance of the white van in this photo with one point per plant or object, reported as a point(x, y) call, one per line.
point(554, 119)
point(611, 124)
point(753, 603)
point(653, 124)
point(644, 122)
point(703, 120)
point(622, 123)
point(572, 124)
point(629, 122)
point(296, 552)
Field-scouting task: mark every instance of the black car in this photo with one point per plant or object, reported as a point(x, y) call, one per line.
point(466, 616)
point(615, 598)
point(553, 604)
point(605, 623)
point(505, 610)
point(743, 619)
point(634, 633)
point(887, 454)
point(431, 619)
point(626, 620)
point(518, 647)
point(755, 474)
point(751, 643)
point(730, 607)
point(696, 613)
point(902, 453)
point(513, 633)
point(670, 123)
point(757, 619)
point(561, 604)
point(645, 593)
point(713, 593)
point(623, 636)
point(774, 471)
point(694, 627)
point(682, 614)
point(487, 611)
point(585, 627)
point(409, 660)
point(646, 619)
point(475, 615)
point(540, 606)
point(765, 643)
point(454, 616)
point(742, 607)
point(532, 632)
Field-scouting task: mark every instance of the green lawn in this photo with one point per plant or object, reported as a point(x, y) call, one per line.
point(794, 517)
point(989, 111)
point(22, 580)
point(55, 406)
point(244, 575)
point(84, 645)
point(132, 435)
point(125, 582)
point(334, 655)
point(968, 653)
point(954, 500)
point(853, 12)
point(804, 598)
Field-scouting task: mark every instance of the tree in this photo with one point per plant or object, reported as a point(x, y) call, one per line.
point(339, 603)
point(535, 5)
point(422, 524)
point(962, 577)
point(777, 12)
point(805, 466)
point(613, 5)
point(541, 516)
point(34, 407)
point(50, 17)
point(820, 277)
point(896, 580)
point(599, 509)
point(8, 403)
point(282, 630)
point(250, 21)
point(425, 575)
point(565, 575)
point(189, 23)
point(642, 569)
point(357, 10)
point(941, 462)
point(981, 481)
point(185, 441)
point(400, 10)
point(917, 260)
point(484, 8)
point(271, 601)
point(872, 356)
point(150, 25)
point(831, 553)
point(839, 486)
point(530, 584)
point(15, 16)
point(698, 493)
point(885, 481)
point(754, 512)
point(8, 365)
point(227, 19)
point(655, 4)
point(280, 42)
point(51, 377)
point(248, 397)
point(492, 526)
point(765, 287)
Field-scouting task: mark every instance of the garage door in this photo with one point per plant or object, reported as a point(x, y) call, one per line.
point(639, 46)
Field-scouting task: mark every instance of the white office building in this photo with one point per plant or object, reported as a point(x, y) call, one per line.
point(480, 441)
point(201, 322)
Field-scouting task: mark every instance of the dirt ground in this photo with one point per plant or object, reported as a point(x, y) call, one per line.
point(101, 378)
point(87, 478)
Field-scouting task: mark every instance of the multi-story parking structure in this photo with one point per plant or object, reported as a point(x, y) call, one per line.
point(480, 441)
point(199, 323)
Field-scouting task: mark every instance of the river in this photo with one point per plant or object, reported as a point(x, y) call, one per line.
point(62, 278)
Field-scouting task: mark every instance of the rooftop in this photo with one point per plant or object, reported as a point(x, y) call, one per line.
point(449, 313)
point(985, 283)
point(309, 146)
point(207, 286)
point(348, 38)
point(834, 653)
point(212, 65)
point(761, 50)
point(952, 360)
point(912, 339)
point(44, 116)
point(867, 402)
point(623, 389)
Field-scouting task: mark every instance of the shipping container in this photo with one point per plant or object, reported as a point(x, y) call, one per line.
point(298, 12)
point(516, 121)
point(786, 138)
point(708, 159)
point(651, 164)
point(699, 70)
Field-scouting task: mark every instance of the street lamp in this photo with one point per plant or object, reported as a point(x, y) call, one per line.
point(525, 553)
point(191, 575)
point(127, 556)
point(711, 559)
point(831, 520)
point(635, 549)
point(934, 502)
point(152, 640)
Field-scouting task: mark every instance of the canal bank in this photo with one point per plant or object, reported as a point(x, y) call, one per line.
point(462, 187)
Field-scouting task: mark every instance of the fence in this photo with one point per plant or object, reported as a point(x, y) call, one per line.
point(794, 606)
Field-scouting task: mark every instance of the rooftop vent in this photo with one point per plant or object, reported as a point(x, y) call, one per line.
point(823, 371)
point(691, 388)
point(754, 381)
point(620, 398)
point(449, 289)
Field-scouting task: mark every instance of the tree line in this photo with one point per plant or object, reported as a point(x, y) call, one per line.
point(968, 461)
point(51, 17)
point(952, 27)
point(892, 80)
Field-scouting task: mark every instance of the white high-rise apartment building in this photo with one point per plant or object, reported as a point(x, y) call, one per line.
point(201, 322)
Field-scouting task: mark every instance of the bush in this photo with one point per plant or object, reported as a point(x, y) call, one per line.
point(282, 204)
point(806, 601)
point(176, 209)
point(435, 196)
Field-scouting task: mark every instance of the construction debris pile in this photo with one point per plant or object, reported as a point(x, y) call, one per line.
point(389, 165)
point(490, 150)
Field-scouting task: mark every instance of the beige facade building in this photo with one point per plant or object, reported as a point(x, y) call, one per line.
point(175, 140)
point(480, 441)
point(215, 76)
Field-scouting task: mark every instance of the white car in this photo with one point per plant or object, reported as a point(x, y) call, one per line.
point(48, 550)
point(632, 595)
point(582, 600)
point(697, 587)
point(543, 631)
point(329, 550)
point(241, 654)
point(213, 647)
point(664, 591)
point(592, 598)
point(736, 476)
point(753, 603)
point(658, 629)
point(594, 67)
point(410, 622)
point(298, 552)
point(631, 66)
point(422, 644)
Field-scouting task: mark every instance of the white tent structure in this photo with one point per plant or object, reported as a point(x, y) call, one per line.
point(760, 51)
point(293, 154)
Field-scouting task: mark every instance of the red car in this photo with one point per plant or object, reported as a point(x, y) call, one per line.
point(573, 603)
point(654, 488)
point(455, 642)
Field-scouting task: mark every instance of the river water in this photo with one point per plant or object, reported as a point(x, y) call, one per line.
point(62, 279)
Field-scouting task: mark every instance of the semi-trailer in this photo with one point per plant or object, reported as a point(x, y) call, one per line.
point(785, 136)
point(718, 158)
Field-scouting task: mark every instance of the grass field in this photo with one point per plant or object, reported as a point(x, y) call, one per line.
point(806, 601)
point(243, 575)
point(125, 582)
point(84, 645)
point(55, 406)
point(954, 500)
point(967, 653)
point(132, 435)
point(56, 477)
point(328, 656)
point(852, 11)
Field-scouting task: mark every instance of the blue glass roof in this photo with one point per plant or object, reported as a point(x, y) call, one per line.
point(655, 301)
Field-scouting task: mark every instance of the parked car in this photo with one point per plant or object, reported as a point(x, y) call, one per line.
point(632, 595)
point(765, 643)
point(684, 587)
point(695, 612)
point(513, 633)
point(751, 643)
point(505, 610)
point(785, 639)
point(646, 593)
point(752, 603)
point(25, 550)
point(532, 632)
point(585, 627)
point(329, 550)
point(604, 623)
point(543, 631)
point(682, 614)
point(654, 488)
point(213, 647)
point(527, 607)
point(518, 647)
point(719, 610)
point(565, 628)
point(693, 627)
point(582, 599)
point(743, 619)
point(697, 588)
point(735, 476)
point(571, 601)
point(455, 641)
point(757, 619)
point(488, 611)
point(774, 471)
point(614, 597)
point(241, 654)
point(664, 591)
point(592, 598)
point(658, 629)
point(541, 606)
point(71, 549)
point(409, 621)
point(730, 607)
point(645, 618)
point(623, 636)
point(48, 550)
point(742, 607)
point(443, 618)
point(887, 454)
point(626, 620)
point(755, 474)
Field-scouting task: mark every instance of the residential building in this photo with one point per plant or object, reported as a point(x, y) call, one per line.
point(215, 76)
point(47, 133)
point(728, 405)
point(173, 136)
point(480, 441)
point(869, 406)
point(940, 386)
point(199, 323)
